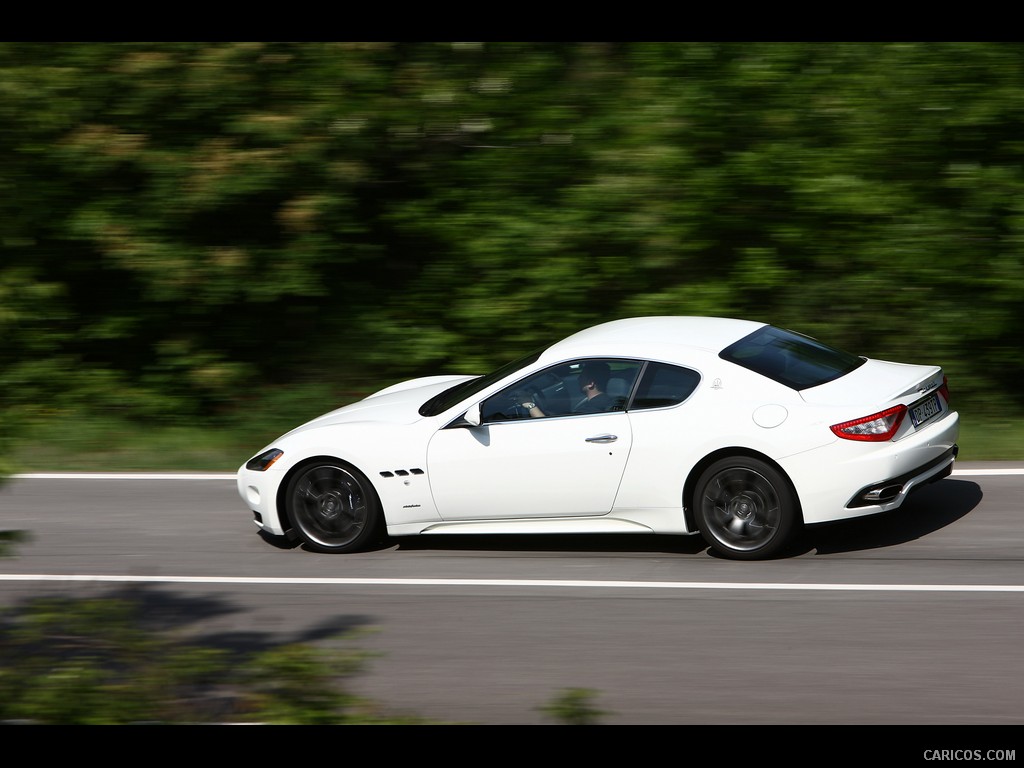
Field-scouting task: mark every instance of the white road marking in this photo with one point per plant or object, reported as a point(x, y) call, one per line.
point(557, 583)
point(571, 584)
point(123, 476)
point(232, 477)
point(988, 471)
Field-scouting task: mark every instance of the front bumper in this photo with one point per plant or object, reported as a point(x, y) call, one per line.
point(259, 491)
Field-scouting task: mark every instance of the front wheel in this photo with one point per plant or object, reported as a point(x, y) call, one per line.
point(745, 508)
point(333, 507)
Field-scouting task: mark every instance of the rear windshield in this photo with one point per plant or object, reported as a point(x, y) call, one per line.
point(790, 358)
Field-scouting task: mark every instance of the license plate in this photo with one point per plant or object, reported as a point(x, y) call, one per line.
point(925, 409)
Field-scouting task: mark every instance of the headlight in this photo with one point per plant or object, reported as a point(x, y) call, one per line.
point(264, 460)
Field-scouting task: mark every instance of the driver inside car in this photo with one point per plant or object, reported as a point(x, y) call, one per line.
point(593, 383)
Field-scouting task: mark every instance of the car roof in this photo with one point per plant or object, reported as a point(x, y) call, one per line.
point(712, 334)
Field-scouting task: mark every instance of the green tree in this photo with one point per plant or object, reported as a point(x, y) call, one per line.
point(574, 706)
point(186, 227)
point(94, 662)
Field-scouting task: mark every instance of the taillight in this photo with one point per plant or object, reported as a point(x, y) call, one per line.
point(944, 389)
point(877, 427)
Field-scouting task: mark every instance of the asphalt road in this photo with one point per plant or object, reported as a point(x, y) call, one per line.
point(911, 618)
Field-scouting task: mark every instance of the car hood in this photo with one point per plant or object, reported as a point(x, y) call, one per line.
point(875, 382)
point(397, 404)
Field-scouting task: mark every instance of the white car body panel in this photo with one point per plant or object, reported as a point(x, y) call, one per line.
point(430, 382)
point(501, 470)
point(395, 405)
point(850, 468)
point(438, 474)
point(876, 379)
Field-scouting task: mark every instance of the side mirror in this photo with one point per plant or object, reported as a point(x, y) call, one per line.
point(472, 417)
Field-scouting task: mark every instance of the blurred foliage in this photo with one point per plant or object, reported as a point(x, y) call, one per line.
point(574, 706)
point(187, 226)
point(115, 661)
point(8, 540)
point(67, 661)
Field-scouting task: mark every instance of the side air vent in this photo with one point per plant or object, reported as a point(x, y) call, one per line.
point(403, 472)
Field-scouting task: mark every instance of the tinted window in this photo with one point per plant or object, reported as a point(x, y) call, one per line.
point(663, 385)
point(445, 400)
point(790, 358)
point(568, 389)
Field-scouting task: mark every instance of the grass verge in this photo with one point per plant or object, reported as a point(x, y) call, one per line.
point(91, 442)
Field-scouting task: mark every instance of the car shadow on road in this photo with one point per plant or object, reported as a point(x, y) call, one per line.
point(931, 509)
point(561, 544)
point(280, 542)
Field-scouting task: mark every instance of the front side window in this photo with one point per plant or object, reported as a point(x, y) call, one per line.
point(575, 388)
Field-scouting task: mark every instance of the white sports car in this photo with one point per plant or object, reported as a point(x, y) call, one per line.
point(735, 430)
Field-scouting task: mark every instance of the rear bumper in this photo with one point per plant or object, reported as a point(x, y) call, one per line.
point(889, 490)
point(866, 478)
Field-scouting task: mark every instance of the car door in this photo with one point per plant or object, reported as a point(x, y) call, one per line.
point(562, 464)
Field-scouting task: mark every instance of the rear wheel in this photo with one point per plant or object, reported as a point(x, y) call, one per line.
point(745, 508)
point(333, 507)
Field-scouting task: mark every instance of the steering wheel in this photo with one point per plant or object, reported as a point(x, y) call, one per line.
point(538, 397)
point(530, 394)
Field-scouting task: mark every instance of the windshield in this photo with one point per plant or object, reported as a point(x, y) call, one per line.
point(789, 358)
point(442, 402)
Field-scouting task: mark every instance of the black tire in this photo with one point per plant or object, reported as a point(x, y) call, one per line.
point(745, 509)
point(333, 507)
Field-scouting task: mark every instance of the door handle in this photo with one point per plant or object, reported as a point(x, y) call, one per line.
point(603, 439)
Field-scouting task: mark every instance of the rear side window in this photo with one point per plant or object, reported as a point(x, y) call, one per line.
point(663, 385)
point(789, 358)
